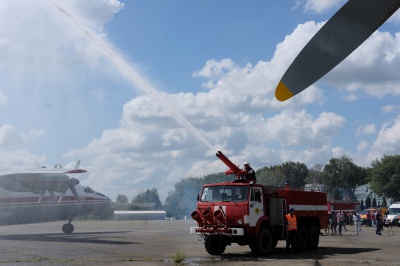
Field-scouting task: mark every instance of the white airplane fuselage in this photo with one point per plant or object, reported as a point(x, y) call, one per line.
point(28, 207)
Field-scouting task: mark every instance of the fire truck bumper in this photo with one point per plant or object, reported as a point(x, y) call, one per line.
point(222, 231)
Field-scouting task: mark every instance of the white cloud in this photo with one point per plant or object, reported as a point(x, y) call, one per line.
point(3, 99)
point(318, 6)
point(367, 129)
point(388, 140)
point(390, 108)
point(20, 159)
point(362, 146)
point(9, 137)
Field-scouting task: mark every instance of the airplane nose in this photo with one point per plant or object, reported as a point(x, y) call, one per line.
point(101, 194)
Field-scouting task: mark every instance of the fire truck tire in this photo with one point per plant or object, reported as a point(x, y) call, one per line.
point(314, 237)
point(303, 237)
point(215, 245)
point(262, 244)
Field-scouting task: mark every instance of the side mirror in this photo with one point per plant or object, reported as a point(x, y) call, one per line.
point(198, 196)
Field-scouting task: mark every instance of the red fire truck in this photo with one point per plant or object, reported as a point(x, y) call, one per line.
point(244, 212)
point(346, 206)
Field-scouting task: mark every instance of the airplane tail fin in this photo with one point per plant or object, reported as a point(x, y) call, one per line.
point(58, 165)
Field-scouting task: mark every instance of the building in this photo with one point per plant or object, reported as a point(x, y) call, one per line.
point(140, 215)
point(314, 187)
point(363, 192)
point(139, 211)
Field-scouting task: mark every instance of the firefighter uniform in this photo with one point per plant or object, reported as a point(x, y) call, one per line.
point(292, 238)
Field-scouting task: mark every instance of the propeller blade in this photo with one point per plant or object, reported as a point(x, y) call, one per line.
point(61, 197)
point(337, 39)
point(72, 183)
point(72, 188)
point(77, 164)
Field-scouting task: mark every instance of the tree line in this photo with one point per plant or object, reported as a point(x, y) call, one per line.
point(340, 176)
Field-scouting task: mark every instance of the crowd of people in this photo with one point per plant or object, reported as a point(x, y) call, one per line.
point(338, 222)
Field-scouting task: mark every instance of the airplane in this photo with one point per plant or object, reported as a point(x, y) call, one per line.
point(47, 195)
point(346, 30)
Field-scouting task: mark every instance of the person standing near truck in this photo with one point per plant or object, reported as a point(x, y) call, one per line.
point(340, 221)
point(292, 237)
point(357, 222)
point(378, 222)
point(369, 223)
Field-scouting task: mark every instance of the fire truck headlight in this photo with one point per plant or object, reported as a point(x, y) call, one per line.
point(240, 221)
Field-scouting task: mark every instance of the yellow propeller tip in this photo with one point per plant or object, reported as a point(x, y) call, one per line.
point(282, 93)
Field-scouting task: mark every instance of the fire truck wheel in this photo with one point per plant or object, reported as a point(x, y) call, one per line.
point(303, 237)
point(262, 244)
point(314, 237)
point(215, 245)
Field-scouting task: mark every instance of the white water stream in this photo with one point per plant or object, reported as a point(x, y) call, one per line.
point(131, 74)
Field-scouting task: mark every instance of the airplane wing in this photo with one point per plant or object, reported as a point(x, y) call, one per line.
point(42, 180)
point(36, 182)
point(338, 38)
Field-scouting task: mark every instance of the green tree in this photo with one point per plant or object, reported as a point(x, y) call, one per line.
point(268, 176)
point(384, 176)
point(315, 175)
point(122, 199)
point(296, 173)
point(148, 196)
point(213, 178)
point(331, 176)
point(336, 194)
point(122, 203)
point(343, 173)
point(374, 202)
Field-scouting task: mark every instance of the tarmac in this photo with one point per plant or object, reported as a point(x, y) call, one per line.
point(139, 242)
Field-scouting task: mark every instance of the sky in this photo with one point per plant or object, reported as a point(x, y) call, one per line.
point(145, 92)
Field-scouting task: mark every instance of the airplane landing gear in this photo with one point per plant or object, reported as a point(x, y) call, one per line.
point(68, 228)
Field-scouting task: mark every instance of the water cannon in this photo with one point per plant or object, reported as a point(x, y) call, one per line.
point(234, 168)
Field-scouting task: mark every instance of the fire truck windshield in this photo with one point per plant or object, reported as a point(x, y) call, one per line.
point(224, 193)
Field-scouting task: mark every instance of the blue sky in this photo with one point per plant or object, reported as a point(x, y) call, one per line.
point(103, 81)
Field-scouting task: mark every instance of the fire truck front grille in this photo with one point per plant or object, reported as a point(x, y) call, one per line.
point(231, 221)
